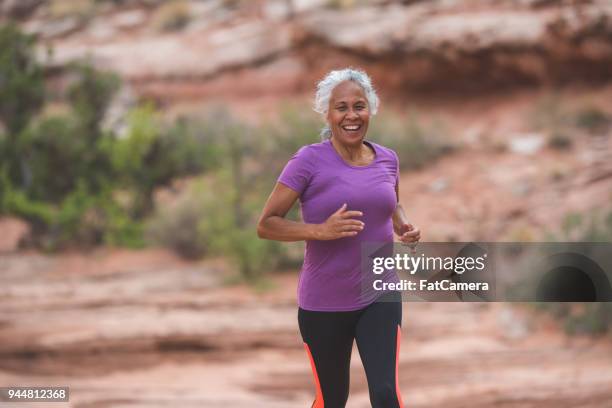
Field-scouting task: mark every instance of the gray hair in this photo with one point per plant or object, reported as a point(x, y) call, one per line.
point(333, 79)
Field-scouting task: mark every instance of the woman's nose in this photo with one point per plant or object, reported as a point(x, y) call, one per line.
point(352, 114)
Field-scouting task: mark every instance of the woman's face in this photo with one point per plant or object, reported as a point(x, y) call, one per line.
point(349, 113)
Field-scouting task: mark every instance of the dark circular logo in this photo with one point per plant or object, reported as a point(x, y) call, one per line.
point(572, 277)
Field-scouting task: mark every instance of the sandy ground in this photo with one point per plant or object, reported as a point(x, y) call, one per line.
point(145, 329)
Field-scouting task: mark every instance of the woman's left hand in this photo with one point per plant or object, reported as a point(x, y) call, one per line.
point(408, 234)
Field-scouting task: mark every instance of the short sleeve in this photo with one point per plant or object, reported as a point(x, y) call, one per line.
point(298, 171)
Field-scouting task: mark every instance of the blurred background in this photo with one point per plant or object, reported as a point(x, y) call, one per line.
point(139, 140)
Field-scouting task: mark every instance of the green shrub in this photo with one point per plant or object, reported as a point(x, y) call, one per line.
point(139, 161)
point(120, 229)
point(129, 153)
point(151, 154)
point(51, 150)
point(21, 79)
point(90, 219)
point(90, 95)
point(79, 219)
point(193, 145)
point(74, 182)
point(16, 202)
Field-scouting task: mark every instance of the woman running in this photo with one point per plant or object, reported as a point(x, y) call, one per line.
point(348, 191)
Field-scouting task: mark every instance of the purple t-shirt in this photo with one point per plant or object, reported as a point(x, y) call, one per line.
point(331, 278)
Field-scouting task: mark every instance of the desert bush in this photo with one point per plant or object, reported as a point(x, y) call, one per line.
point(562, 124)
point(583, 318)
point(193, 144)
point(172, 15)
point(234, 4)
point(593, 227)
point(590, 318)
point(177, 226)
point(80, 9)
point(230, 229)
point(553, 119)
point(294, 128)
point(207, 220)
point(218, 214)
point(416, 143)
point(559, 140)
point(593, 119)
point(347, 4)
point(549, 114)
point(276, 141)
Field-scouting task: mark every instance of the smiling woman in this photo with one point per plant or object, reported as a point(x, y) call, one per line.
point(348, 191)
point(348, 118)
point(335, 79)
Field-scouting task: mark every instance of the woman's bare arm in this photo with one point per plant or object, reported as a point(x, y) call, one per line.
point(273, 225)
point(402, 227)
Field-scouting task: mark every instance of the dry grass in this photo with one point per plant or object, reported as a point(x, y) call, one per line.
point(173, 15)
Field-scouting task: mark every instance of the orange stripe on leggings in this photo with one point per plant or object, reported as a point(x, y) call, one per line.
point(318, 402)
point(397, 351)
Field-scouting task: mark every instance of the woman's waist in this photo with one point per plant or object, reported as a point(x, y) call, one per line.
point(370, 234)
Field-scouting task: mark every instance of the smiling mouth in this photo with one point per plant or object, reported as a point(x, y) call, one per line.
point(351, 128)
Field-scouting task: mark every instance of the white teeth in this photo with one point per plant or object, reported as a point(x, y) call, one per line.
point(353, 127)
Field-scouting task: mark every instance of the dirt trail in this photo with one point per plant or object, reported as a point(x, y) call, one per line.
point(144, 329)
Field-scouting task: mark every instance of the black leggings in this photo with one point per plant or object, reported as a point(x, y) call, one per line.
point(328, 340)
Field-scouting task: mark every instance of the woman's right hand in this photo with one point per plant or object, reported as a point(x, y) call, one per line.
point(340, 224)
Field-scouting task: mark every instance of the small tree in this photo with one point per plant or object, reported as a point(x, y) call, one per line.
point(21, 79)
point(21, 96)
point(90, 96)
